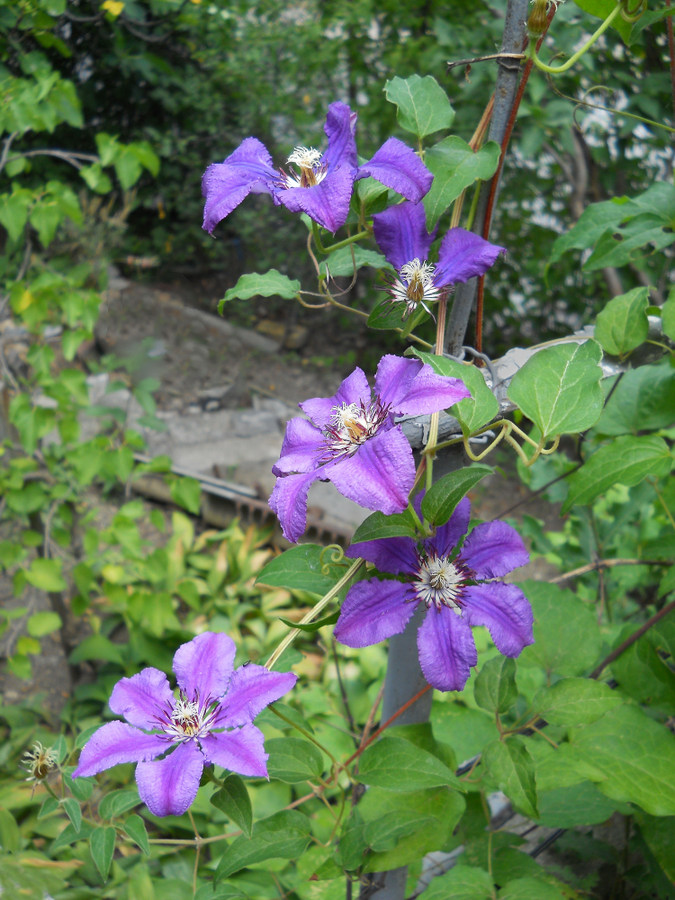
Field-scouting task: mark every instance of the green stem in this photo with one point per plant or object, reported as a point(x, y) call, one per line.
point(557, 70)
point(347, 241)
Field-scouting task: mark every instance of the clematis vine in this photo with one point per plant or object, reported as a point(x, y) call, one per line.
point(173, 738)
point(402, 235)
point(455, 582)
point(352, 439)
point(319, 184)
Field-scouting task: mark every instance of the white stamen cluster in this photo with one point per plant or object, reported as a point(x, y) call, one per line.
point(312, 170)
point(38, 761)
point(352, 424)
point(440, 582)
point(415, 286)
point(188, 719)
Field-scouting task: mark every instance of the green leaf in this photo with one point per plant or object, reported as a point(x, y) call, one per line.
point(385, 833)
point(422, 105)
point(602, 9)
point(575, 701)
point(134, 826)
point(99, 648)
point(399, 765)
point(510, 765)
point(566, 636)
point(622, 325)
point(643, 400)
point(659, 835)
point(455, 167)
point(387, 316)
point(284, 835)
point(618, 247)
point(559, 388)
point(187, 492)
point(293, 760)
point(271, 284)
point(475, 411)
point(460, 883)
point(641, 672)
point(592, 223)
point(576, 804)
point(495, 687)
point(234, 801)
point(10, 836)
point(340, 264)
point(626, 460)
point(668, 315)
point(102, 846)
point(45, 574)
point(310, 627)
point(14, 213)
point(305, 567)
point(440, 501)
point(378, 526)
point(530, 888)
point(116, 803)
point(42, 623)
point(630, 756)
point(73, 811)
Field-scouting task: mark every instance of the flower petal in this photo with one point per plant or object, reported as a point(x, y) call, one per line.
point(372, 611)
point(353, 389)
point(251, 689)
point(399, 168)
point(449, 535)
point(413, 388)
point(505, 611)
point(302, 448)
point(241, 751)
point(380, 475)
point(141, 698)
point(396, 555)
point(446, 648)
point(327, 202)
point(289, 501)
point(340, 128)
point(116, 743)
point(224, 185)
point(401, 234)
point(169, 786)
point(204, 665)
point(494, 549)
point(463, 255)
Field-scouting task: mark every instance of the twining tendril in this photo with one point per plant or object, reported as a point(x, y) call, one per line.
point(337, 554)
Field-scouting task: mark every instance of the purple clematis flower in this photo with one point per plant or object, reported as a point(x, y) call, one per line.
point(353, 441)
point(402, 235)
point(209, 723)
point(453, 584)
point(321, 184)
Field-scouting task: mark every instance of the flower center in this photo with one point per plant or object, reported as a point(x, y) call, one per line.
point(188, 719)
point(441, 582)
point(312, 170)
point(352, 424)
point(414, 286)
point(38, 761)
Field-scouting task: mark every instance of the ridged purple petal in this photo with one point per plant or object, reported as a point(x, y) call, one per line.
point(396, 555)
point(401, 234)
point(446, 648)
point(169, 786)
point(224, 185)
point(289, 501)
point(449, 535)
point(399, 168)
point(327, 202)
point(340, 128)
point(241, 751)
point(142, 698)
point(506, 613)
point(372, 611)
point(493, 549)
point(302, 448)
point(413, 388)
point(353, 389)
point(380, 475)
point(204, 665)
point(463, 255)
point(116, 743)
point(251, 689)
